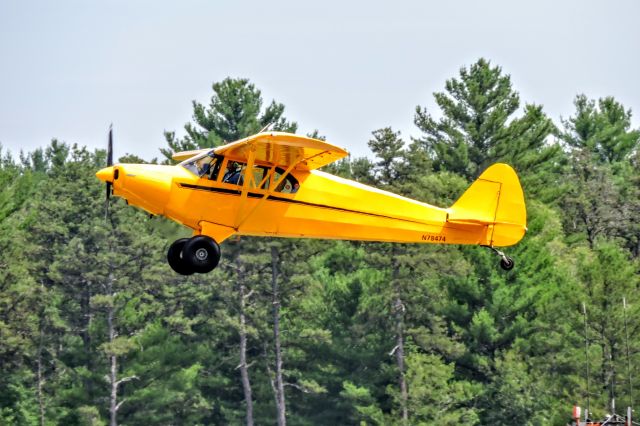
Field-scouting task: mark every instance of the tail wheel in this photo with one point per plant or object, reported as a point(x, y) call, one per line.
point(506, 263)
point(175, 259)
point(201, 253)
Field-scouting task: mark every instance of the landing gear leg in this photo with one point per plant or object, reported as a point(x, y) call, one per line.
point(506, 262)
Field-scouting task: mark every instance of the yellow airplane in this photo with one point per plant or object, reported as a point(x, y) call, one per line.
point(269, 185)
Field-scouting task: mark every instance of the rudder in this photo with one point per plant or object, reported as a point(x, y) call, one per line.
point(496, 200)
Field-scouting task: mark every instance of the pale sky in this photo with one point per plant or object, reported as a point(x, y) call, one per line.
point(69, 68)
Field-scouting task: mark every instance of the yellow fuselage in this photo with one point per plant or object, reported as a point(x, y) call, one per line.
point(325, 206)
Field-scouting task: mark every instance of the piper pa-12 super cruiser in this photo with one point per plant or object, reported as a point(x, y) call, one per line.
point(269, 185)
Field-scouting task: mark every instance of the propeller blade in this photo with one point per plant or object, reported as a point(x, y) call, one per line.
point(110, 147)
point(109, 159)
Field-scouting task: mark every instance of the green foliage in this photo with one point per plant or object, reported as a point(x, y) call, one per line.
point(479, 127)
point(603, 129)
point(363, 403)
point(90, 416)
point(388, 147)
point(436, 397)
point(593, 201)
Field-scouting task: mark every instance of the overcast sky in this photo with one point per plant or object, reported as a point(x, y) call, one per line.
point(69, 68)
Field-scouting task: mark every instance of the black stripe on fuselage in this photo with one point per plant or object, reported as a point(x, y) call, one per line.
point(287, 200)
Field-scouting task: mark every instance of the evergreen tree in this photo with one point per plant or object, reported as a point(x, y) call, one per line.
point(603, 129)
point(603, 201)
point(478, 126)
point(592, 201)
point(234, 112)
point(389, 148)
point(607, 276)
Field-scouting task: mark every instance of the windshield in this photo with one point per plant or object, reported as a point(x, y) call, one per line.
point(205, 165)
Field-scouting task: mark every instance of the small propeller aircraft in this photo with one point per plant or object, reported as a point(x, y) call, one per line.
point(269, 184)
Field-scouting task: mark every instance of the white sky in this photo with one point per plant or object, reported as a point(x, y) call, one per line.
point(69, 68)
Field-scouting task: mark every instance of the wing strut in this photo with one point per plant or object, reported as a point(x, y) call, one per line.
point(269, 192)
point(248, 177)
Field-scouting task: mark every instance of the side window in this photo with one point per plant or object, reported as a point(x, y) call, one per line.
point(289, 185)
point(260, 177)
point(234, 173)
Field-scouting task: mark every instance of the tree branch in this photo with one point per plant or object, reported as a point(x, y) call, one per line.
point(300, 388)
point(125, 379)
point(248, 365)
point(119, 404)
point(393, 351)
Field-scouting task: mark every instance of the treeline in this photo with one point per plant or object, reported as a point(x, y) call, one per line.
point(96, 329)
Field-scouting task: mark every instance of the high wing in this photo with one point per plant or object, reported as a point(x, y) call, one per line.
point(284, 150)
point(185, 155)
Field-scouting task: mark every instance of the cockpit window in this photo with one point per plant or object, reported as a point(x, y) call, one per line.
point(260, 178)
point(235, 173)
point(289, 185)
point(207, 166)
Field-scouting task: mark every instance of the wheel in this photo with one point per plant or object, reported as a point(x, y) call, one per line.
point(174, 257)
point(201, 253)
point(506, 263)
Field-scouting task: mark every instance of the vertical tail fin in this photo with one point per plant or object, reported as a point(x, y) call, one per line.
point(496, 200)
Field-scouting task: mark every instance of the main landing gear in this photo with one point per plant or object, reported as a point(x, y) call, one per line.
point(506, 262)
point(199, 254)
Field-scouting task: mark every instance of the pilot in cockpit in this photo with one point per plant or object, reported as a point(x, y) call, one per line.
point(233, 174)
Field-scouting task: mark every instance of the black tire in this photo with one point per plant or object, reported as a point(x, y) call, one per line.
point(174, 257)
point(506, 263)
point(201, 253)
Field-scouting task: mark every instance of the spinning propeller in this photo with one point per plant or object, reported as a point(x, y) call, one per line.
point(104, 173)
point(109, 159)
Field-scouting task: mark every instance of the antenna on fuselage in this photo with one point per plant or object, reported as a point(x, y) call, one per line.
point(586, 354)
point(626, 338)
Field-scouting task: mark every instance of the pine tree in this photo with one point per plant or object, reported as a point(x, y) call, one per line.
point(603, 130)
point(593, 200)
point(234, 112)
point(479, 128)
point(602, 148)
point(607, 276)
